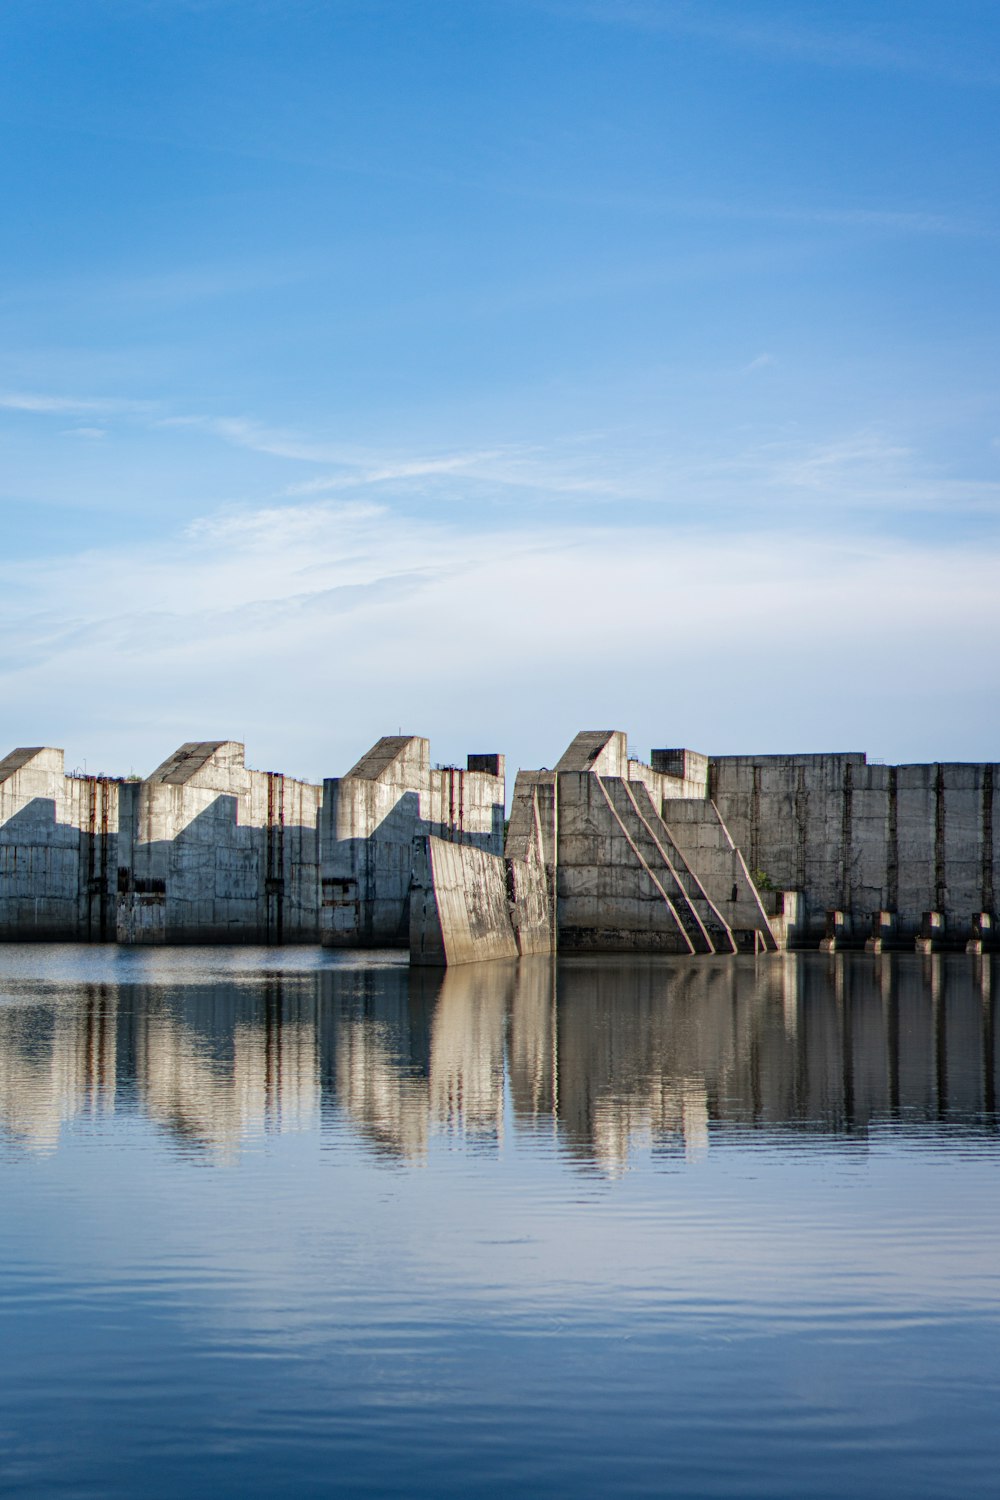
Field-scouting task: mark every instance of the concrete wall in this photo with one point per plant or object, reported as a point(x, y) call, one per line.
point(702, 838)
point(211, 852)
point(863, 838)
point(608, 898)
point(605, 752)
point(625, 879)
point(58, 850)
point(458, 909)
point(370, 819)
point(467, 904)
point(530, 856)
point(604, 852)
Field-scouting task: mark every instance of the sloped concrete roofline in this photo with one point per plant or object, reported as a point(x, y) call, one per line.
point(191, 758)
point(18, 759)
point(585, 749)
point(376, 761)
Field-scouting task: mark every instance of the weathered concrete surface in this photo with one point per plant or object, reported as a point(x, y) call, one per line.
point(706, 844)
point(867, 838)
point(684, 854)
point(468, 905)
point(609, 900)
point(211, 852)
point(625, 878)
point(530, 872)
point(370, 819)
point(458, 907)
point(58, 850)
point(786, 915)
point(691, 888)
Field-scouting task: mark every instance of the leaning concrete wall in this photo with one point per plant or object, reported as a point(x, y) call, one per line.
point(458, 910)
point(530, 856)
point(211, 852)
point(58, 850)
point(863, 838)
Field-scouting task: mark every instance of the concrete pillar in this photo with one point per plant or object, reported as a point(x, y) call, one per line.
point(931, 932)
point(837, 930)
point(883, 931)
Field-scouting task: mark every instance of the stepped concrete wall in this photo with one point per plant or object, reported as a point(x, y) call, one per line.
point(58, 850)
point(706, 844)
point(212, 852)
point(370, 820)
point(636, 855)
point(608, 898)
point(863, 838)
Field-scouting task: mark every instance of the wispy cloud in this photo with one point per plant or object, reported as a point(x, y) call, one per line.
point(45, 404)
point(324, 622)
point(386, 473)
point(869, 472)
point(760, 363)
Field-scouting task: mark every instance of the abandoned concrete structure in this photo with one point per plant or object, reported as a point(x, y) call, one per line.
point(211, 852)
point(883, 853)
point(642, 859)
point(604, 853)
point(370, 819)
point(58, 850)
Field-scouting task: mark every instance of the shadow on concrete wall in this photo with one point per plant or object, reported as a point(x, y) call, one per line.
point(217, 881)
point(366, 880)
point(57, 881)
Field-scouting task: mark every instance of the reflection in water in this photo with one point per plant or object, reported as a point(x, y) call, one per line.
point(605, 1055)
point(203, 1062)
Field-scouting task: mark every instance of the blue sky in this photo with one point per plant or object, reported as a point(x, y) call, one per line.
point(491, 369)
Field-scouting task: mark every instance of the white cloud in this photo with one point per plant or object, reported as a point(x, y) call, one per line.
point(44, 404)
point(760, 363)
point(312, 629)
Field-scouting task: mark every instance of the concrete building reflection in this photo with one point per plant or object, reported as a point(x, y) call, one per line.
point(213, 1067)
point(605, 1057)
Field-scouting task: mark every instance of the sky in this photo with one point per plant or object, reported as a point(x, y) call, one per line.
point(494, 369)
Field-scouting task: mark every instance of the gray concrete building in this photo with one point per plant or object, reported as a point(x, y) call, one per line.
point(637, 855)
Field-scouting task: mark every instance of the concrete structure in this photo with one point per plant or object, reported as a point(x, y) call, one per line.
point(458, 910)
point(637, 857)
point(371, 818)
point(686, 854)
point(467, 905)
point(211, 852)
point(865, 839)
point(58, 850)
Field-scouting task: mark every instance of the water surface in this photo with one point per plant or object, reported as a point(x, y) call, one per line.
point(287, 1222)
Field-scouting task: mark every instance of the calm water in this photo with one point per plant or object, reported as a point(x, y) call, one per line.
point(303, 1224)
